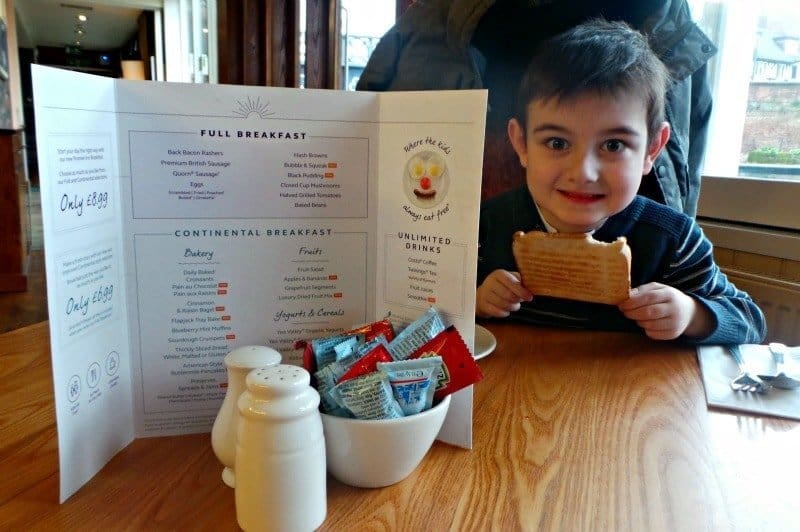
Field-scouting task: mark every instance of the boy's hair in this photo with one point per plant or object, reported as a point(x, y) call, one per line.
point(597, 57)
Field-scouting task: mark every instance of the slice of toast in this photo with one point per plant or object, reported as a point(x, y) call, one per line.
point(573, 266)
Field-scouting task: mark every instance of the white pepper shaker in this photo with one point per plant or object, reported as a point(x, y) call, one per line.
point(238, 363)
point(280, 453)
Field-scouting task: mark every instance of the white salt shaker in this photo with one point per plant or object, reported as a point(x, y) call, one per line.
point(238, 363)
point(280, 453)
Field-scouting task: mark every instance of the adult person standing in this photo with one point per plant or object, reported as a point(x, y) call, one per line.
point(476, 44)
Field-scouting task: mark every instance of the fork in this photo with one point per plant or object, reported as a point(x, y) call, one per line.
point(745, 381)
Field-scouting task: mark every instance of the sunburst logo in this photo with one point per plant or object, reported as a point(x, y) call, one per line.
point(251, 107)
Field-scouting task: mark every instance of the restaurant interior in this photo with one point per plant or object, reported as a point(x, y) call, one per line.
point(570, 430)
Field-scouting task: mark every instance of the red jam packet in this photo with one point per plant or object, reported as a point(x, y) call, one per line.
point(309, 363)
point(374, 329)
point(367, 364)
point(459, 368)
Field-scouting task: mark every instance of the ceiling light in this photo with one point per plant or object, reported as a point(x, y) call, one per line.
point(82, 17)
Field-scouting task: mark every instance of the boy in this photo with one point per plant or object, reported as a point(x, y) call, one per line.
point(590, 123)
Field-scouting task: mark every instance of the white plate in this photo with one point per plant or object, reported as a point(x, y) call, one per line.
point(485, 342)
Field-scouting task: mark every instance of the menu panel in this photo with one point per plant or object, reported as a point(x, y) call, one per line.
point(83, 187)
point(85, 292)
point(201, 291)
point(431, 267)
point(214, 173)
point(87, 306)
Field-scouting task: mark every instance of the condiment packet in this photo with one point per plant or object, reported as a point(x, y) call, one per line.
point(459, 368)
point(413, 382)
point(368, 397)
point(324, 350)
point(325, 381)
point(343, 349)
point(416, 334)
point(327, 377)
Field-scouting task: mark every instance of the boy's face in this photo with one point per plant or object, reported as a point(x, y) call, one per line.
point(585, 157)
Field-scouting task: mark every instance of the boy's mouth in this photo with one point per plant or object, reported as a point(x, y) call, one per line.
point(581, 197)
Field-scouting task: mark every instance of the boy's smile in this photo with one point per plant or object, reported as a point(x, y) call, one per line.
point(585, 157)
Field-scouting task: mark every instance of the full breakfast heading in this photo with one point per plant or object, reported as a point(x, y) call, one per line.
point(272, 135)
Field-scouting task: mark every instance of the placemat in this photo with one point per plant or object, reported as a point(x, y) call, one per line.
point(718, 369)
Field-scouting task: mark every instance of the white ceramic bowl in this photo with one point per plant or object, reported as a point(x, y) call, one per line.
point(377, 453)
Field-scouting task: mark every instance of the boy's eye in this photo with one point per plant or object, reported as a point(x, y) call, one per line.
point(556, 143)
point(613, 145)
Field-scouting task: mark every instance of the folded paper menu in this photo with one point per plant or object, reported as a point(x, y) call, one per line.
point(184, 220)
point(718, 369)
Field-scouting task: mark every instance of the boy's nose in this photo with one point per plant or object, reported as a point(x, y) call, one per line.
point(584, 167)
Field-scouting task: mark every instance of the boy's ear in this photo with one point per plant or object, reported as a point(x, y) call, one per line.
point(657, 144)
point(516, 134)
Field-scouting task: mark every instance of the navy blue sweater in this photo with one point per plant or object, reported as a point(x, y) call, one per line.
point(667, 247)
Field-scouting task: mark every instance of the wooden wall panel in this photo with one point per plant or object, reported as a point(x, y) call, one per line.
point(257, 42)
point(323, 27)
point(229, 43)
point(13, 214)
point(283, 69)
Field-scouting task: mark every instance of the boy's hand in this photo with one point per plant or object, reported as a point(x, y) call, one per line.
point(665, 312)
point(500, 295)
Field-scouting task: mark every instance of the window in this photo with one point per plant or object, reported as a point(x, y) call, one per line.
point(752, 163)
point(190, 41)
point(363, 24)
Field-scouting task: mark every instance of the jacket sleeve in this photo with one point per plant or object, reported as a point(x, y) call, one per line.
point(685, 50)
point(679, 165)
point(698, 134)
point(693, 271)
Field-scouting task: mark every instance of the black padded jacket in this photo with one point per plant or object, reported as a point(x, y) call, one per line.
point(449, 44)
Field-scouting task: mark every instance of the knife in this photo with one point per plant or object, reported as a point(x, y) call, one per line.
point(781, 379)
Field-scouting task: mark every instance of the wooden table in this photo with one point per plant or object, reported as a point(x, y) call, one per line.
point(572, 431)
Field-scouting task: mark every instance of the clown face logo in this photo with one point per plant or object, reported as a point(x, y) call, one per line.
point(426, 179)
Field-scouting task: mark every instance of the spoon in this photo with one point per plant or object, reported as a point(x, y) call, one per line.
point(780, 379)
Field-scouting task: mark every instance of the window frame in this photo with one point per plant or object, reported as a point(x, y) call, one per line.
point(757, 204)
point(762, 202)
